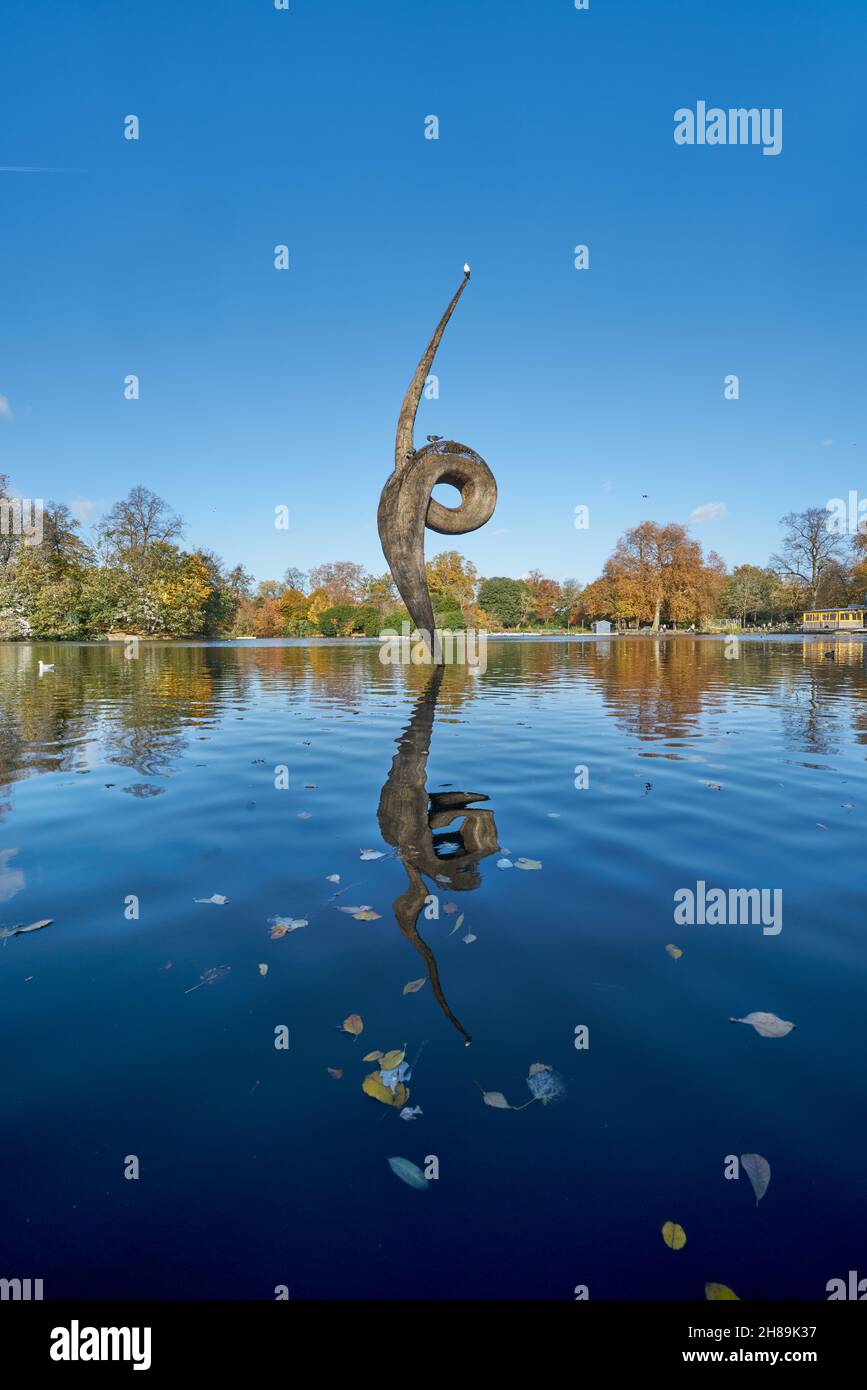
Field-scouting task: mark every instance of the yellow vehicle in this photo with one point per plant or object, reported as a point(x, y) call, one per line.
point(833, 620)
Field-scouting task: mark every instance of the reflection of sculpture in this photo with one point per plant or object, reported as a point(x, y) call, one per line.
point(406, 505)
point(425, 831)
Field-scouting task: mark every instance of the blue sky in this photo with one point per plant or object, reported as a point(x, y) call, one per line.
point(306, 127)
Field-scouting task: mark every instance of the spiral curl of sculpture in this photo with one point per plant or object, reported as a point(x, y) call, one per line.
point(407, 506)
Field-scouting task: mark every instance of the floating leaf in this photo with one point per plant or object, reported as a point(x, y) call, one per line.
point(450, 908)
point(457, 926)
point(282, 927)
point(22, 931)
point(353, 1025)
point(372, 854)
point(216, 898)
point(537, 1067)
point(523, 863)
point(362, 907)
point(674, 1235)
point(414, 986)
point(496, 1100)
point(410, 1112)
point(720, 1293)
point(674, 951)
point(468, 938)
point(768, 1025)
point(392, 1059)
point(332, 878)
point(373, 1086)
point(263, 970)
point(372, 1057)
point(758, 1170)
point(409, 1173)
point(335, 1072)
point(367, 915)
point(210, 977)
point(504, 863)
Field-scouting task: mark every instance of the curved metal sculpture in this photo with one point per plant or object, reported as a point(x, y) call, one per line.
point(406, 506)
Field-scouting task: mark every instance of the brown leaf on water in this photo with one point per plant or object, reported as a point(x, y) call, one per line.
point(353, 1025)
point(372, 1057)
point(367, 915)
point(414, 986)
point(336, 1072)
point(450, 908)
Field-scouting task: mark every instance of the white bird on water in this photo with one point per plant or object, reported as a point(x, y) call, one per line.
point(466, 269)
point(44, 666)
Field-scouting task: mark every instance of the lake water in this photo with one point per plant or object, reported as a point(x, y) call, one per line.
point(155, 777)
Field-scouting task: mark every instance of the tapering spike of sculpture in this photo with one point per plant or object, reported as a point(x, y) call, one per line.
point(406, 506)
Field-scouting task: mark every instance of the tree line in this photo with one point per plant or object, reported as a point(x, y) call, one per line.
point(134, 576)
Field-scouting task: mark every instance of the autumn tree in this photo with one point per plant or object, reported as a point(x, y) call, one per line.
point(140, 520)
point(810, 548)
point(381, 593)
point(451, 581)
point(658, 569)
point(295, 578)
point(342, 581)
point(543, 596)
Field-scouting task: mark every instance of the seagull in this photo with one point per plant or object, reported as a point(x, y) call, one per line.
point(43, 667)
point(466, 269)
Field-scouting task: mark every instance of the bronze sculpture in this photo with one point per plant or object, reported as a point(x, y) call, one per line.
point(406, 506)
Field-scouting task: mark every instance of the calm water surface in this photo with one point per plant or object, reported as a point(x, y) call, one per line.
point(156, 778)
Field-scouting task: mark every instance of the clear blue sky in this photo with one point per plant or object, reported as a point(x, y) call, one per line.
point(306, 127)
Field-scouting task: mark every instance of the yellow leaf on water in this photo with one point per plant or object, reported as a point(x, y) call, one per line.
point(414, 986)
point(720, 1293)
point(372, 1057)
point(523, 863)
point(372, 1086)
point(674, 951)
point(392, 1059)
point(674, 1235)
point(366, 915)
point(353, 1025)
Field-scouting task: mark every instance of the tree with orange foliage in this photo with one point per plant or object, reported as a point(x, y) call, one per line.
point(659, 570)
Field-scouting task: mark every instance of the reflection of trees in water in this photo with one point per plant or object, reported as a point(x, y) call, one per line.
point(144, 712)
point(656, 690)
